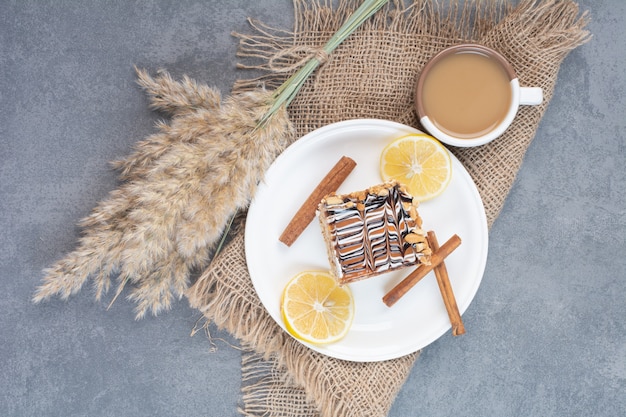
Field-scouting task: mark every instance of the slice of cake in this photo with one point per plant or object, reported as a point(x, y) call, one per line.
point(372, 231)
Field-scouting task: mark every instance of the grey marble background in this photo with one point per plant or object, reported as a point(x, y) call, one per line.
point(546, 331)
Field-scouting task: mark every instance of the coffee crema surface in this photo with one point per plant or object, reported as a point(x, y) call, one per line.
point(466, 94)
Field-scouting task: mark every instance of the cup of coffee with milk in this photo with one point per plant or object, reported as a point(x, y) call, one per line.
point(468, 95)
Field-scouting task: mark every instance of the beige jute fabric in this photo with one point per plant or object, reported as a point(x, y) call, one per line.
point(372, 75)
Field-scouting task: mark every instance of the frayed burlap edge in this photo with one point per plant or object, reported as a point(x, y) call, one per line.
point(280, 376)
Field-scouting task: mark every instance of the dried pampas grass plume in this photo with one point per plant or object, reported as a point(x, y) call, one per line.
point(183, 185)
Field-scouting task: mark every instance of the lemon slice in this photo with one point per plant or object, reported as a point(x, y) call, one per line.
point(418, 161)
point(316, 309)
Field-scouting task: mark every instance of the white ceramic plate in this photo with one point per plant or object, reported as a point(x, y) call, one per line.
point(378, 332)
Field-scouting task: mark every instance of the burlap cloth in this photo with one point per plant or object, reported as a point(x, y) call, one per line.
point(372, 75)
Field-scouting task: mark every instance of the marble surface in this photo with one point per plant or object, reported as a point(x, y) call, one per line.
point(546, 333)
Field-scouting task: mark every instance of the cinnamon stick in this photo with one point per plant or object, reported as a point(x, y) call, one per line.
point(445, 287)
point(421, 271)
point(306, 213)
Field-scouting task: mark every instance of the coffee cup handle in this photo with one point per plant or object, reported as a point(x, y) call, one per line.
point(530, 96)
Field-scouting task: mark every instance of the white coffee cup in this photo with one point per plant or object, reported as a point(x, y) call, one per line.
point(468, 95)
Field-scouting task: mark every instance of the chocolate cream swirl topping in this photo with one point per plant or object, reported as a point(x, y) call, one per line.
point(369, 230)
